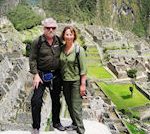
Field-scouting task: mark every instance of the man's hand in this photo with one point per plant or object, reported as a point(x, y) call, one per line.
point(83, 90)
point(36, 81)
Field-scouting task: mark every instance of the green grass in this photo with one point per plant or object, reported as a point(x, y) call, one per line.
point(92, 49)
point(98, 72)
point(134, 129)
point(95, 69)
point(92, 57)
point(49, 120)
point(92, 52)
point(147, 54)
point(112, 45)
point(93, 63)
point(121, 96)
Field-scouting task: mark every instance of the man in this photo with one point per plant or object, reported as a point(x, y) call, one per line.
point(44, 65)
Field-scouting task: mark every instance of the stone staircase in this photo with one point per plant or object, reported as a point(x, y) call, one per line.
point(91, 127)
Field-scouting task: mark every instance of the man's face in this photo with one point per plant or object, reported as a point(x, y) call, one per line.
point(49, 31)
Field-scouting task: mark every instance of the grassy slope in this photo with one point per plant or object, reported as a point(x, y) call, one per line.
point(134, 129)
point(95, 69)
point(121, 96)
point(98, 72)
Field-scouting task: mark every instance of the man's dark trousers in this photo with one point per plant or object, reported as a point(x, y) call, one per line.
point(36, 102)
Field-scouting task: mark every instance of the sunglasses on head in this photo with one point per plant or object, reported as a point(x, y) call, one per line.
point(48, 28)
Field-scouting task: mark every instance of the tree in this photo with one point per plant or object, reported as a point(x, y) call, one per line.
point(132, 74)
point(131, 90)
point(144, 9)
point(23, 17)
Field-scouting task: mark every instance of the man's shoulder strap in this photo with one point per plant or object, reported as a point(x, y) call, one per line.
point(59, 40)
point(39, 43)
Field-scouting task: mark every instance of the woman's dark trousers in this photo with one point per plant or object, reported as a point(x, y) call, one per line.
point(71, 90)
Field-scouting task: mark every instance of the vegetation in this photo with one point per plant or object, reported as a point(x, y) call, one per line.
point(138, 29)
point(67, 10)
point(27, 41)
point(1, 1)
point(144, 9)
point(91, 12)
point(98, 72)
point(120, 95)
point(23, 17)
point(28, 47)
point(95, 69)
point(98, 12)
point(132, 73)
point(93, 50)
point(134, 129)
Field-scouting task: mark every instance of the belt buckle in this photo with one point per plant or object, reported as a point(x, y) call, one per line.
point(52, 71)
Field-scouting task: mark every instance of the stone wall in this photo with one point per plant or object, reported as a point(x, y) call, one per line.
point(16, 83)
point(15, 96)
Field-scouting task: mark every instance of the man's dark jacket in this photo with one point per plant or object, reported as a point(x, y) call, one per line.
point(45, 57)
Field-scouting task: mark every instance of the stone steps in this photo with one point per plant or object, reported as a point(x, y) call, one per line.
point(41, 132)
point(91, 127)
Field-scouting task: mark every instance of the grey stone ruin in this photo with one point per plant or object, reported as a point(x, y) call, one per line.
point(5, 67)
point(2, 92)
point(12, 93)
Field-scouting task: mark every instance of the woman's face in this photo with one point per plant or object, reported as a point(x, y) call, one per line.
point(68, 36)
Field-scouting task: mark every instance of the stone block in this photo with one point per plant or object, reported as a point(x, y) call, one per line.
point(2, 93)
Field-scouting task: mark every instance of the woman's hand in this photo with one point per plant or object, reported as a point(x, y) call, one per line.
point(36, 81)
point(83, 85)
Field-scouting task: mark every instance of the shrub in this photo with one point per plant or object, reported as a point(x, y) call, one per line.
point(122, 111)
point(132, 73)
point(23, 17)
point(28, 47)
point(27, 41)
point(104, 50)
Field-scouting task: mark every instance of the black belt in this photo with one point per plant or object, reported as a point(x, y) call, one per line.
point(54, 72)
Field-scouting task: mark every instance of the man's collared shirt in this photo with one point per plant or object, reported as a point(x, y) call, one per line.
point(45, 58)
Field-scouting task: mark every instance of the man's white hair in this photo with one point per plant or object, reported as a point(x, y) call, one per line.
point(49, 22)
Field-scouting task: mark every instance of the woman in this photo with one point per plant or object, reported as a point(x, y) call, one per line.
point(73, 71)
